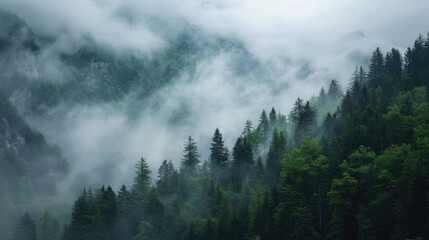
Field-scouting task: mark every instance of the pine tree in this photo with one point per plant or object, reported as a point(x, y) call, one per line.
point(342, 224)
point(163, 178)
point(258, 171)
point(154, 210)
point(289, 201)
point(297, 110)
point(168, 179)
point(26, 229)
point(78, 222)
point(253, 136)
point(394, 62)
point(122, 228)
point(242, 162)
point(415, 64)
point(275, 155)
point(96, 228)
point(218, 156)
point(303, 225)
point(305, 122)
point(376, 69)
point(322, 100)
point(358, 89)
point(393, 68)
point(273, 118)
point(174, 223)
point(190, 160)
point(142, 180)
point(145, 231)
point(50, 229)
point(111, 211)
point(264, 125)
point(256, 209)
point(224, 216)
point(248, 129)
point(334, 91)
point(123, 202)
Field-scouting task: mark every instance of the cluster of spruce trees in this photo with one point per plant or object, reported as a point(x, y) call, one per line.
point(352, 166)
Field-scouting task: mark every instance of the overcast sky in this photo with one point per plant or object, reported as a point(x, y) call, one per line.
point(276, 26)
point(313, 31)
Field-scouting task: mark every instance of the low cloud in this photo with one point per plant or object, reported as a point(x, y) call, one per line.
point(84, 18)
point(299, 44)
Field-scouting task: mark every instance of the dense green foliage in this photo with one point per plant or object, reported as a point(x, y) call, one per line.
point(338, 167)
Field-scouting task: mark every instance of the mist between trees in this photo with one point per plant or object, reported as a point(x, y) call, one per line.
point(350, 165)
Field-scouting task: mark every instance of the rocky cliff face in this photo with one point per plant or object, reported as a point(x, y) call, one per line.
point(10, 139)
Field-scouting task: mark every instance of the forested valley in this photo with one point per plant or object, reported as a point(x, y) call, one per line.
point(350, 164)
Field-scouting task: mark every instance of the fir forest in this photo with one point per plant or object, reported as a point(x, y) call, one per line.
point(214, 120)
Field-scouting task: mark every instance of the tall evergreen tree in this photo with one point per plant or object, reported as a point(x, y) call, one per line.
point(154, 210)
point(393, 73)
point(302, 225)
point(358, 89)
point(258, 174)
point(142, 180)
point(174, 223)
point(218, 156)
point(190, 160)
point(264, 125)
point(415, 63)
point(224, 215)
point(26, 229)
point(334, 91)
point(110, 212)
point(248, 128)
point(123, 202)
point(122, 229)
point(253, 136)
point(394, 62)
point(275, 155)
point(50, 229)
point(322, 96)
point(305, 122)
point(96, 228)
point(78, 221)
point(168, 179)
point(343, 222)
point(376, 69)
point(273, 118)
point(242, 162)
point(297, 110)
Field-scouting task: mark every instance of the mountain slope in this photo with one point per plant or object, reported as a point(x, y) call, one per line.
point(40, 73)
point(30, 168)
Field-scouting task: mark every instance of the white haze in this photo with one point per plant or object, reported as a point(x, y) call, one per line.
point(102, 144)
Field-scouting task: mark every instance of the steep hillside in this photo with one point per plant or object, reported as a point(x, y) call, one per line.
point(30, 168)
point(40, 73)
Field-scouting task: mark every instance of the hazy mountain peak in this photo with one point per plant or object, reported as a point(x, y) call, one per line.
point(14, 30)
point(351, 36)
